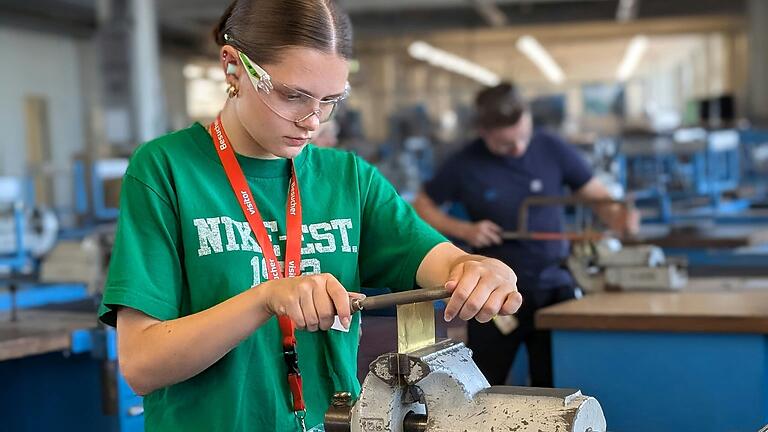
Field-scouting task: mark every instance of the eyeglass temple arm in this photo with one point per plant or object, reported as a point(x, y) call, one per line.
point(257, 70)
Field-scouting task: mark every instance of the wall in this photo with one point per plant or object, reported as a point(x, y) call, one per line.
point(47, 66)
point(66, 72)
point(174, 87)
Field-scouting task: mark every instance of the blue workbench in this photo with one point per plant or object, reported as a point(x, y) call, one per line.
point(58, 371)
point(692, 361)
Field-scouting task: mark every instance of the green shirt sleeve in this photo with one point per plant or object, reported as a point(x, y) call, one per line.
point(394, 239)
point(145, 270)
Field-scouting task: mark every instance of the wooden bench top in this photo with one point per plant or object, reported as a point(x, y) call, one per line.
point(40, 332)
point(688, 311)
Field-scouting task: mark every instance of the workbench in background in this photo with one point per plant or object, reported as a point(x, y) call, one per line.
point(687, 361)
point(712, 249)
point(58, 371)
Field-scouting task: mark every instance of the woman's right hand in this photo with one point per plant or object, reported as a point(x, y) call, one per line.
point(310, 301)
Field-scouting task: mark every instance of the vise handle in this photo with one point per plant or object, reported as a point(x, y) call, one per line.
point(399, 298)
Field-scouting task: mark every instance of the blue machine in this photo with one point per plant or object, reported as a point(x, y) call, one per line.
point(755, 167)
point(58, 367)
point(695, 177)
point(14, 255)
point(34, 295)
point(685, 176)
point(19, 258)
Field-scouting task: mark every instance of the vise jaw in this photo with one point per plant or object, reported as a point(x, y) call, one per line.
point(440, 388)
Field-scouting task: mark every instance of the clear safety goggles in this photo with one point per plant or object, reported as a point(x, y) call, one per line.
point(287, 102)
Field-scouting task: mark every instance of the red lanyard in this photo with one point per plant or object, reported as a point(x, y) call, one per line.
point(292, 245)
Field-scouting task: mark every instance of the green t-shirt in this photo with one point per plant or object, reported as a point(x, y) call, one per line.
point(183, 245)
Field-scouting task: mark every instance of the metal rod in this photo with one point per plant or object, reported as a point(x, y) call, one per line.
point(400, 298)
point(572, 236)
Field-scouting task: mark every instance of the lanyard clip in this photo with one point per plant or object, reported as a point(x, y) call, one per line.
point(291, 360)
point(301, 415)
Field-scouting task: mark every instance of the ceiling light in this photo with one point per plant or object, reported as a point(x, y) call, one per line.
point(635, 50)
point(421, 50)
point(529, 46)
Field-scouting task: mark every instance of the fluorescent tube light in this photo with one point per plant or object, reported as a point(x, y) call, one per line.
point(635, 50)
point(529, 46)
point(421, 50)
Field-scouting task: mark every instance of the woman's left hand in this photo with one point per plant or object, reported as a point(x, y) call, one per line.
point(481, 288)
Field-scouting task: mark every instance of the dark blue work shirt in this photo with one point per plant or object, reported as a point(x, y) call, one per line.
point(493, 187)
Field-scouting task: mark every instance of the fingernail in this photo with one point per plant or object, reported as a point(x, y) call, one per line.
point(448, 317)
point(345, 322)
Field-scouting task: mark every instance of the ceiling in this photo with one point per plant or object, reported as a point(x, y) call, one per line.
point(186, 23)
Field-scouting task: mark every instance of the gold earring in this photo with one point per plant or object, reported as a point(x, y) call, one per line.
point(232, 91)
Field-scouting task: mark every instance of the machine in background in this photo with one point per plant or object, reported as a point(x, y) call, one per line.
point(50, 341)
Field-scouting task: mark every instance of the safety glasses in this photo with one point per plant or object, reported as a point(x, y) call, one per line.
point(287, 102)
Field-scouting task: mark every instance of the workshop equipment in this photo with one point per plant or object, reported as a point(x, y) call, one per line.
point(607, 265)
point(754, 153)
point(399, 298)
point(439, 388)
point(692, 174)
point(598, 261)
point(27, 232)
point(585, 231)
point(50, 341)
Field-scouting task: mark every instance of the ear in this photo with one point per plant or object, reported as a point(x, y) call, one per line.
point(527, 119)
point(229, 61)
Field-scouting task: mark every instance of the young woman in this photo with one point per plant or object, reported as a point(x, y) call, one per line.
point(238, 244)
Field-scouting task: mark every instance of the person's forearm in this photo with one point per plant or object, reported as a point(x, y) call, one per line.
point(437, 264)
point(480, 287)
point(168, 352)
point(442, 222)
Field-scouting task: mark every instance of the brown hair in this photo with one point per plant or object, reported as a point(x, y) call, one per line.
point(499, 106)
point(260, 28)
